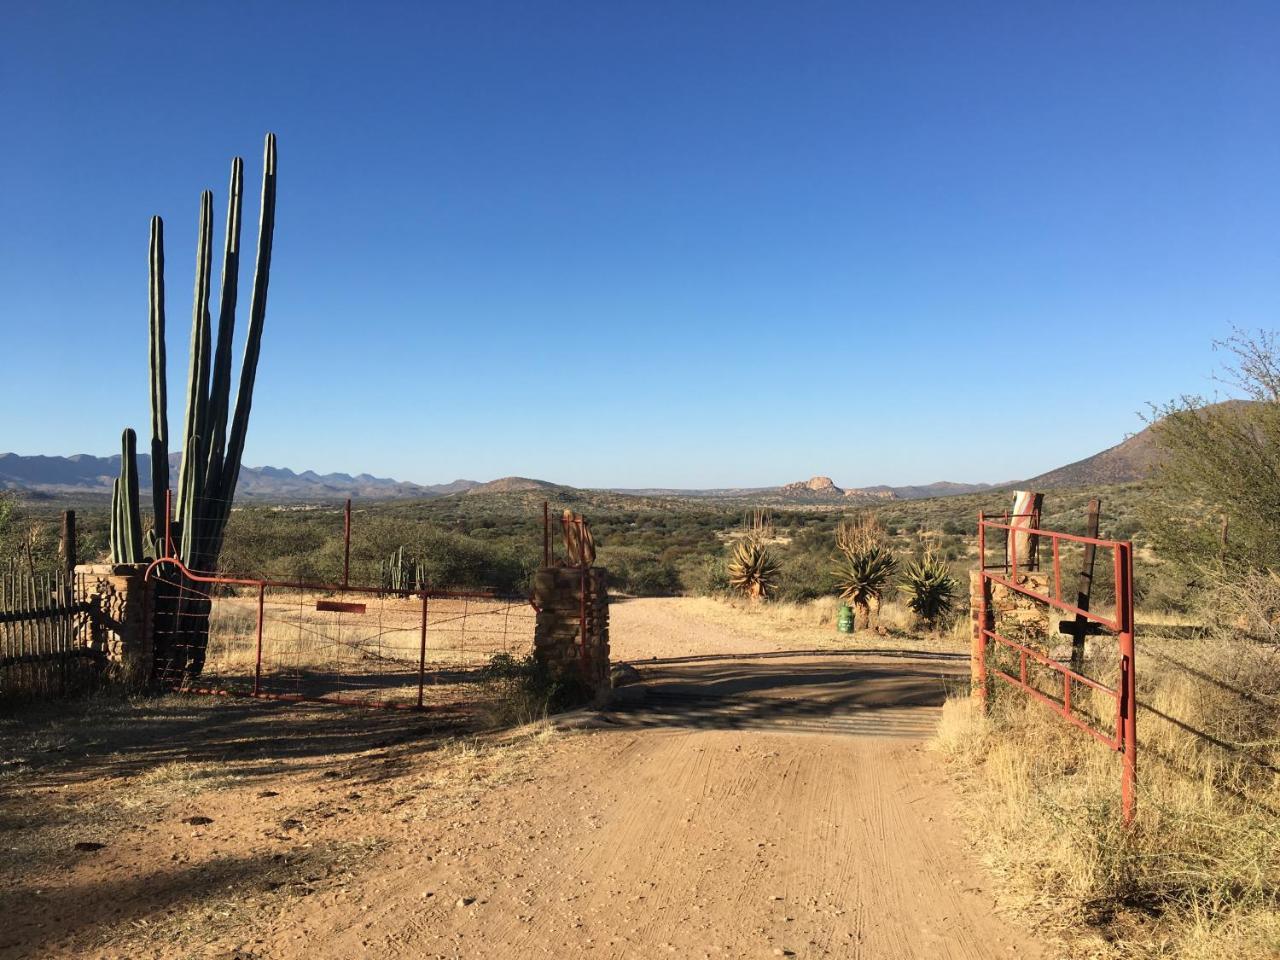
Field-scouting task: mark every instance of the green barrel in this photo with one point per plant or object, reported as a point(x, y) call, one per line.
point(844, 619)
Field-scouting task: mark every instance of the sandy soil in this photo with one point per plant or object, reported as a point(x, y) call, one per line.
point(745, 800)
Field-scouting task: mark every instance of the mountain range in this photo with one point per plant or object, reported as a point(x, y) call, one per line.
point(83, 474)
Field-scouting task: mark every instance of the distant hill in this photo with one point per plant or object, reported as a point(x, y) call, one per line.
point(515, 485)
point(814, 490)
point(86, 474)
point(1128, 461)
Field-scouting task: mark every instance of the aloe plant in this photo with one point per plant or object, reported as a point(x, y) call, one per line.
point(862, 577)
point(213, 437)
point(929, 587)
point(753, 570)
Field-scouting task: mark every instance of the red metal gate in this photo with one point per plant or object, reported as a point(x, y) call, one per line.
point(1021, 575)
point(331, 642)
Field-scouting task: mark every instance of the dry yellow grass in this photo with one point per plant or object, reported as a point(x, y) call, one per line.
point(1198, 877)
point(370, 655)
point(813, 624)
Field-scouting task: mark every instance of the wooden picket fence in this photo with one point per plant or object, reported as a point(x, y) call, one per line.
point(41, 650)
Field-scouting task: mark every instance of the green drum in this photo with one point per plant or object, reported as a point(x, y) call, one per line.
point(844, 619)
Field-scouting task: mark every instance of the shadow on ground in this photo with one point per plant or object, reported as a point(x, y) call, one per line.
point(871, 693)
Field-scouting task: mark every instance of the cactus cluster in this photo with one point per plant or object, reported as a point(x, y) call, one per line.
point(401, 574)
point(213, 437)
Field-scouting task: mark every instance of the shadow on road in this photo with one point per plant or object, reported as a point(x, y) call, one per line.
point(880, 693)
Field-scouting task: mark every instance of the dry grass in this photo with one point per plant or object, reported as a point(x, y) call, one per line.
point(1198, 878)
point(372, 655)
point(813, 624)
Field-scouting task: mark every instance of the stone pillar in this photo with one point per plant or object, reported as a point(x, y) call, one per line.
point(1021, 618)
point(119, 623)
point(566, 619)
point(1014, 616)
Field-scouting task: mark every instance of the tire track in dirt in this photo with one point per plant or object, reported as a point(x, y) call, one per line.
point(759, 809)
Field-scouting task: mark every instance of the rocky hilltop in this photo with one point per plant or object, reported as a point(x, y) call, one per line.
point(824, 488)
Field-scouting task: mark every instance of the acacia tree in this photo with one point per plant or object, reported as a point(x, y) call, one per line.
point(1215, 492)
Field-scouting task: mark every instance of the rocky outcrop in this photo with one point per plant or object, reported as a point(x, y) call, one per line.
point(819, 486)
point(824, 488)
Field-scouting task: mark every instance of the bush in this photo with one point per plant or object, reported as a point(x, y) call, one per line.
point(640, 573)
point(1217, 486)
point(522, 690)
point(713, 577)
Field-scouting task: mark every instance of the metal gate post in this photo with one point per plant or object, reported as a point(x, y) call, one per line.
point(978, 647)
point(422, 653)
point(346, 544)
point(257, 670)
point(1128, 683)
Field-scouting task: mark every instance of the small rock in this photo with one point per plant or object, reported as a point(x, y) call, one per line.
point(263, 794)
point(466, 901)
point(198, 821)
point(621, 674)
point(292, 824)
point(88, 846)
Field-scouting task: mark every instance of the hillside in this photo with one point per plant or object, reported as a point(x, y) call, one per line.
point(1129, 461)
point(515, 485)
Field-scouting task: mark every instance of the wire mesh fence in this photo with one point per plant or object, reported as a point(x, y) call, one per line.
point(332, 642)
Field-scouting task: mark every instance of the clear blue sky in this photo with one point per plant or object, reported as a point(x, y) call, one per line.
point(685, 244)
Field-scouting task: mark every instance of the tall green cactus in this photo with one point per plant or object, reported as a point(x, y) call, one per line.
point(126, 523)
point(211, 453)
point(159, 389)
point(401, 574)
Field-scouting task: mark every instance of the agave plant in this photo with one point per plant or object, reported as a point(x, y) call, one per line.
point(929, 586)
point(753, 570)
point(862, 577)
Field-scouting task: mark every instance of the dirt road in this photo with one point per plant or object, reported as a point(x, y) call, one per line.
point(754, 804)
point(750, 801)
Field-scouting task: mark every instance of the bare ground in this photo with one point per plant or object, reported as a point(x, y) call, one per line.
point(750, 800)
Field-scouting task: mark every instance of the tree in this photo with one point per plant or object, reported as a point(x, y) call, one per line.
point(1215, 500)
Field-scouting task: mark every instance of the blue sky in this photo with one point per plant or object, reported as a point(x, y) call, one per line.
point(646, 244)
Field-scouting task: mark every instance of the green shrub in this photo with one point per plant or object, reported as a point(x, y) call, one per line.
point(522, 690)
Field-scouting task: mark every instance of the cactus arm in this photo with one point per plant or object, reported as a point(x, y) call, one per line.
point(159, 388)
point(197, 380)
point(116, 539)
point(129, 494)
point(220, 384)
point(253, 340)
